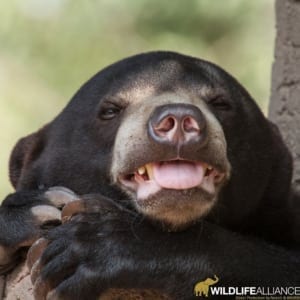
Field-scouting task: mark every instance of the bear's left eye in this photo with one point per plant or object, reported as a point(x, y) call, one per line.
point(109, 112)
point(219, 103)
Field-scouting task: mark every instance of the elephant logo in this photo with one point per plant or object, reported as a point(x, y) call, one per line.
point(202, 287)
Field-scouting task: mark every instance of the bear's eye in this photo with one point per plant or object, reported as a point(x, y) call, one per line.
point(219, 103)
point(109, 112)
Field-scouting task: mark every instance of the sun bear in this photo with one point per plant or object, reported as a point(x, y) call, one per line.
point(170, 173)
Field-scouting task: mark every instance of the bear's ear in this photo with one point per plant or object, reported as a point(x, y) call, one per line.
point(25, 152)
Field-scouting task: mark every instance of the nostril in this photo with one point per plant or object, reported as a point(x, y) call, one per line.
point(189, 124)
point(166, 125)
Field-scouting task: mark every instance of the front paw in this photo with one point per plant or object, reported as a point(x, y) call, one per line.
point(23, 218)
point(84, 257)
point(69, 264)
point(103, 251)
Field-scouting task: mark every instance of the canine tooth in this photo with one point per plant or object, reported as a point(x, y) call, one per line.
point(141, 170)
point(209, 168)
point(149, 169)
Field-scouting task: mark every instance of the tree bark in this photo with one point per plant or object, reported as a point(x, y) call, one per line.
point(17, 284)
point(285, 96)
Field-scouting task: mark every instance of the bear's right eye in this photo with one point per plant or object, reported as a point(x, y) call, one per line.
point(109, 112)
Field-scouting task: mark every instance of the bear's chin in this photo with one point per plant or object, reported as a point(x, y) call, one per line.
point(176, 210)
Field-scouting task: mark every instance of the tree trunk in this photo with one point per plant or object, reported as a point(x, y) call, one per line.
point(285, 98)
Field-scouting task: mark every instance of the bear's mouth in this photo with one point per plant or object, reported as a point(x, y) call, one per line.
point(177, 174)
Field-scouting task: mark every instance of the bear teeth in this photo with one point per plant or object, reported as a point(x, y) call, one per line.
point(149, 170)
point(142, 170)
point(146, 171)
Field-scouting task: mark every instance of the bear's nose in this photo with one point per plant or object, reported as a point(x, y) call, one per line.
point(176, 124)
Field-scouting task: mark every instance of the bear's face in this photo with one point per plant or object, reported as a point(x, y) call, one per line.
point(170, 153)
point(175, 137)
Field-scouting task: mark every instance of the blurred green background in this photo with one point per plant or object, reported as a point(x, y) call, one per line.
point(48, 48)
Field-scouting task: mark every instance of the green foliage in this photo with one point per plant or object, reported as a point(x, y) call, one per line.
point(49, 48)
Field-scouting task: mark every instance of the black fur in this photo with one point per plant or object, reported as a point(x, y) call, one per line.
point(96, 251)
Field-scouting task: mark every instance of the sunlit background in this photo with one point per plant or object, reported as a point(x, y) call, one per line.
point(48, 48)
